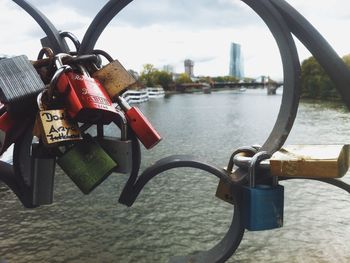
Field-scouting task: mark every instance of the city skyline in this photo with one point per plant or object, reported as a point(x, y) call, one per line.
point(168, 32)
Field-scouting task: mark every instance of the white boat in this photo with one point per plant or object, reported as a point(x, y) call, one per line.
point(136, 96)
point(155, 92)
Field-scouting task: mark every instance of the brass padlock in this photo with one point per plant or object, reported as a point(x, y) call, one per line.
point(224, 189)
point(311, 161)
point(119, 149)
point(53, 126)
point(87, 164)
point(114, 78)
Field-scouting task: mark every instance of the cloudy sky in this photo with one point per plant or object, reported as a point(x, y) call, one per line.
point(165, 32)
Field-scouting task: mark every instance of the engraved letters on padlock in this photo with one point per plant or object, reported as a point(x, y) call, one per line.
point(57, 127)
point(85, 98)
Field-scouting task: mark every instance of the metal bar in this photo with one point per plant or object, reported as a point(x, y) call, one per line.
point(99, 23)
point(291, 71)
point(319, 47)
point(57, 43)
point(222, 251)
point(168, 163)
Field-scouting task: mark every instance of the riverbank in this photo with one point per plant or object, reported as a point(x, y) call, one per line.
point(333, 104)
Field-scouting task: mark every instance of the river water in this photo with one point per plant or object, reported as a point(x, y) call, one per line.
point(177, 212)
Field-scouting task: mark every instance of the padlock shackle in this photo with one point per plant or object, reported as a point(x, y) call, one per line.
point(53, 83)
point(242, 151)
point(72, 37)
point(45, 51)
point(59, 59)
point(253, 166)
point(83, 70)
point(244, 161)
point(123, 124)
point(104, 54)
point(39, 101)
point(123, 103)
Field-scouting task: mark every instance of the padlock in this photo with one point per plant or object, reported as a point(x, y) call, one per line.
point(87, 164)
point(236, 174)
point(19, 84)
point(114, 78)
point(263, 205)
point(224, 189)
point(119, 149)
point(11, 128)
point(85, 98)
point(143, 129)
point(43, 163)
point(54, 126)
point(311, 161)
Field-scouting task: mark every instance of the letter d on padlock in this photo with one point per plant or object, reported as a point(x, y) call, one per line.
point(262, 204)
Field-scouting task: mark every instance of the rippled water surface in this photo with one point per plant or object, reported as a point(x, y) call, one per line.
point(177, 212)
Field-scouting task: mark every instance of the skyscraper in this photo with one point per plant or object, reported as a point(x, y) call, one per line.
point(236, 61)
point(189, 67)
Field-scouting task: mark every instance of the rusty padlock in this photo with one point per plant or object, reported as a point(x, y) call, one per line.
point(114, 78)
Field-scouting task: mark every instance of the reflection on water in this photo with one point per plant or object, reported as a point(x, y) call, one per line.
point(177, 212)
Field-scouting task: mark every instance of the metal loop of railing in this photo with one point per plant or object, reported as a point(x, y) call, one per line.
point(282, 20)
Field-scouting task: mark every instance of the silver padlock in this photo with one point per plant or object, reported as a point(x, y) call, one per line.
point(119, 149)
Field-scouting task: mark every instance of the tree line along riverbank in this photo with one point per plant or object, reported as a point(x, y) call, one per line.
point(315, 83)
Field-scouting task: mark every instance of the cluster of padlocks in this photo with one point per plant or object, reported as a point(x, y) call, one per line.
point(59, 97)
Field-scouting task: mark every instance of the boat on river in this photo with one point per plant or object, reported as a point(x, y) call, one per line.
point(143, 95)
point(155, 92)
point(136, 96)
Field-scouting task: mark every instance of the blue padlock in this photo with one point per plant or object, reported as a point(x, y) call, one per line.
point(262, 204)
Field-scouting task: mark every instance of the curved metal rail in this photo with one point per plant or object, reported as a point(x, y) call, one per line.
point(282, 20)
point(226, 247)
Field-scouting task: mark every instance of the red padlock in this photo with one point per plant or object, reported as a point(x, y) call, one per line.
point(10, 128)
point(143, 129)
point(85, 98)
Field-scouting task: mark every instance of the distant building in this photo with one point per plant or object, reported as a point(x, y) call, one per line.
point(189, 67)
point(236, 61)
point(168, 68)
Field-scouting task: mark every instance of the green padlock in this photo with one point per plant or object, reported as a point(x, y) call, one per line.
point(87, 164)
